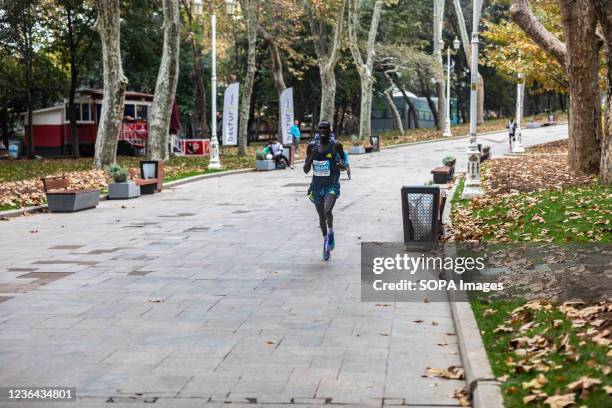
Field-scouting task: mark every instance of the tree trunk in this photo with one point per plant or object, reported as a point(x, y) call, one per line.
point(579, 56)
point(201, 122)
point(440, 116)
point(434, 110)
point(397, 119)
point(74, 132)
point(465, 41)
point(277, 66)
point(603, 10)
point(108, 26)
point(328, 94)
point(197, 80)
point(327, 49)
point(165, 88)
point(413, 112)
point(74, 77)
point(364, 68)
point(29, 100)
point(277, 71)
point(579, 23)
point(250, 8)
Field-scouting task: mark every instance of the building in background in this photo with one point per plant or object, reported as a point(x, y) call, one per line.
point(382, 119)
point(51, 126)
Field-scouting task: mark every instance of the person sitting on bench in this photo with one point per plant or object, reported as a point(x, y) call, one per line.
point(276, 150)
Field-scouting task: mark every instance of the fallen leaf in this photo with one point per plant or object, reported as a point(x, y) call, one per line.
point(560, 401)
point(538, 382)
point(583, 383)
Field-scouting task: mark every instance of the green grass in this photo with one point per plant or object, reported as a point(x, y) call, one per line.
point(592, 358)
point(575, 214)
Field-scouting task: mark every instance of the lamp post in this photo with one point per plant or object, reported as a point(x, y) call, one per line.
point(517, 145)
point(472, 187)
point(447, 121)
point(213, 162)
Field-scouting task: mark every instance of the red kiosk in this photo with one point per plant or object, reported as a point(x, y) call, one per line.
point(51, 126)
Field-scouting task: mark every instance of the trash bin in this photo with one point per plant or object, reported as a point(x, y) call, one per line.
point(420, 207)
point(551, 117)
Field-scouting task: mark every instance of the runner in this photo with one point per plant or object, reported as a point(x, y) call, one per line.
point(326, 157)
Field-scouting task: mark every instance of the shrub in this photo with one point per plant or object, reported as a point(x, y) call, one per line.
point(448, 160)
point(118, 173)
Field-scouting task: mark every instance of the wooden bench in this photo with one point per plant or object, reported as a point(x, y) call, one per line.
point(61, 199)
point(442, 174)
point(147, 186)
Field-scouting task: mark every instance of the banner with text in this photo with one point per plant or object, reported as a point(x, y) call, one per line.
point(230, 115)
point(286, 105)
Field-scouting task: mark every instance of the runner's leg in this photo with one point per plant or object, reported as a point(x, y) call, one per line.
point(330, 201)
point(322, 223)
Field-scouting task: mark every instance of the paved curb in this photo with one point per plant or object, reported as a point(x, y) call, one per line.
point(482, 385)
point(199, 177)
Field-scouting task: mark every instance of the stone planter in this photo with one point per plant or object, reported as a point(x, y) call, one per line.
point(71, 201)
point(123, 191)
point(265, 165)
point(357, 150)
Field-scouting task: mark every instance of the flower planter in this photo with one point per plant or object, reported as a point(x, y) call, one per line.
point(265, 165)
point(357, 150)
point(123, 191)
point(71, 201)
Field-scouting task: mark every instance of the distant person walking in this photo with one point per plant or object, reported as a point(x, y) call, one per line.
point(511, 132)
point(295, 136)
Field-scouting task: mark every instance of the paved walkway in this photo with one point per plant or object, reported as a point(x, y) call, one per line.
point(214, 292)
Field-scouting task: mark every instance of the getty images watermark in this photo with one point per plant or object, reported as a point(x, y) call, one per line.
point(393, 271)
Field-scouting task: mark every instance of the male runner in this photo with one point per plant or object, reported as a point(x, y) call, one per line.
point(326, 157)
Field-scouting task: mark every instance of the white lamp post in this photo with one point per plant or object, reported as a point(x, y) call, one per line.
point(213, 162)
point(517, 144)
point(447, 121)
point(472, 187)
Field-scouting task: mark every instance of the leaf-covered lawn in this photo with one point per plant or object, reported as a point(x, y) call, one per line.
point(572, 214)
point(545, 355)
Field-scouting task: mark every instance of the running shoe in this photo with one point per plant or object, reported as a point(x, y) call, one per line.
point(326, 251)
point(331, 242)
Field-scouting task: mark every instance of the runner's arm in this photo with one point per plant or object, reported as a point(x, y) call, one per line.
point(308, 161)
point(339, 151)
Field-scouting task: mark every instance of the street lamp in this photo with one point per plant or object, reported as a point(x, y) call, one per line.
point(213, 162)
point(447, 124)
point(517, 143)
point(472, 187)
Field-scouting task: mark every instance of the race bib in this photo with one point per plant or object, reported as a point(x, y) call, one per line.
point(321, 168)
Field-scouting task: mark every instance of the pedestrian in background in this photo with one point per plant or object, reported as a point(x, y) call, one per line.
point(295, 136)
point(511, 131)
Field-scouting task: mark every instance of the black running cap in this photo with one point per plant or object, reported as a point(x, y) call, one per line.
point(324, 124)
